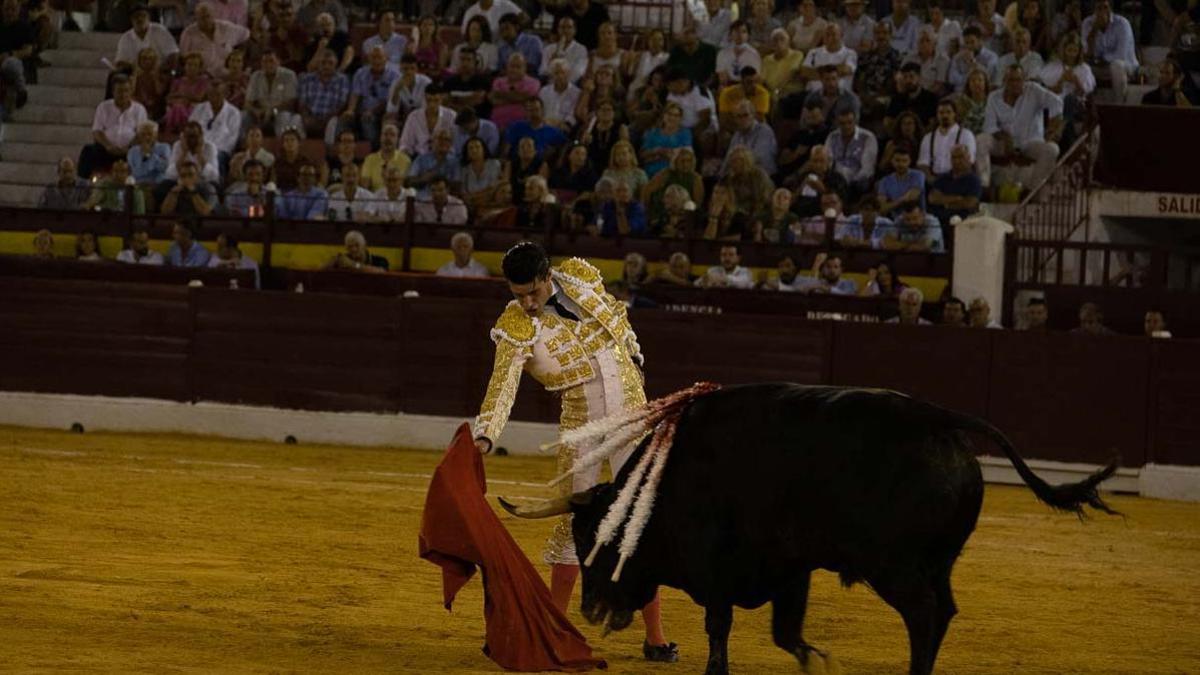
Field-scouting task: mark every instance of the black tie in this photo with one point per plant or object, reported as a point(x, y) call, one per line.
point(562, 310)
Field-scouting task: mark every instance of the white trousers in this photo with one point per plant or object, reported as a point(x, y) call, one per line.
point(1044, 155)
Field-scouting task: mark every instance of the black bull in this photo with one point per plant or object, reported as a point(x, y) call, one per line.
point(768, 482)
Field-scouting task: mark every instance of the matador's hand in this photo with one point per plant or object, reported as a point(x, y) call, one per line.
point(484, 445)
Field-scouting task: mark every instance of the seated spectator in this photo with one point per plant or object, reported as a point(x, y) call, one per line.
point(236, 78)
point(907, 133)
point(394, 44)
point(781, 66)
point(993, 31)
point(377, 163)
point(1154, 324)
point(440, 206)
point(750, 185)
point(1069, 76)
point(682, 172)
point(559, 97)
point(901, 186)
point(252, 150)
point(652, 58)
point(622, 166)
point(512, 40)
point(807, 29)
point(756, 137)
point(778, 219)
point(547, 139)
point(478, 44)
point(322, 96)
point(946, 33)
point(980, 314)
point(431, 53)
point(787, 279)
point(420, 125)
point(914, 231)
point(830, 224)
point(222, 122)
point(148, 158)
point(350, 201)
point(1014, 124)
point(715, 31)
point(861, 228)
point(462, 245)
point(739, 54)
point(956, 193)
point(1108, 41)
point(185, 251)
point(369, 95)
point(139, 252)
point(678, 271)
point(284, 173)
point(857, 28)
point(288, 38)
point(660, 143)
point(723, 220)
point(1022, 54)
point(1036, 314)
point(527, 163)
point(910, 302)
point(875, 78)
point(391, 201)
point(195, 148)
point(1091, 320)
point(468, 125)
point(601, 136)
point(439, 162)
point(18, 48)
point(730, 273)
point(357, 257)
point(854, 149)
point(831, 52)
point(306, 201)
point(113, 192)
point(191, 195)
point(468, 89)
point(761, 24)
point(113, 128)
point(491, 12)
point(310, 14)
point(211, 38)
point(691, 58)
point(510, 91)
point(68, 193)
point(972, 103)
point(230, 257)
point(937, 145)
point(699, 109)
point(815, 178)
point(910, 95)
point(43, 244)
point(608, 55)
point(328, 36)
point(829, 97)
point(675, 219)
point(539, 209)
point(883, 281)
point(480, 173)
point(249, 197)
point(812, 133)
point(904, 26)
point(747, 89)
point(973, 56)
point(344, 154)
point(565, 47)
point(1175, 87)
point(271, 96)
point(145, 35)
point(934, 64)
point(150, 84)
point(599, 88)
point(624, 215)
point(954, 313)
point(186, 91)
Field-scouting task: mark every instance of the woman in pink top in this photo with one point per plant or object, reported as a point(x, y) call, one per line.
point(186, 91)
point(430, 51)
point(510, 91)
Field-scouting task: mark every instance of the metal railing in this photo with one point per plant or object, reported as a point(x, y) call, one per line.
point(1057, 207)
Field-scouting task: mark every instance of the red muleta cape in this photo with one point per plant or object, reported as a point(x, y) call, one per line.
point(460, 531)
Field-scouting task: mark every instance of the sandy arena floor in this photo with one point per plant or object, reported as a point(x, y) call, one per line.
point(128, 553)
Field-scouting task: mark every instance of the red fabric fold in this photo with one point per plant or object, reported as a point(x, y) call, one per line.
point(460, 531)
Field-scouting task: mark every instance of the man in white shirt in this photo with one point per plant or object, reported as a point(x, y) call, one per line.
point(230, 257)
point(440, 206)
point(491, 10)
point(729, 274)
point(947, 33)
point(934, 157)
point(565, 47)
point(905, 26)
point(463, 265)
point(857, 28)
point(1013, 122)
point(113, 128)
point(831, 52)
point(351, 201)
point(194, 147)
point(222, 123)
point(854, 151)
point(699, 109)
point(972, 56)
point(139, 252)
point(419, 126)
point(737, 55)
point(1108, 39)
point(145, 34)
point(559, 97)
point(213, 38)
point(1021, 55)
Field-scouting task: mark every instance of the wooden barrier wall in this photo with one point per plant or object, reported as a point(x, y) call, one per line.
point(1059, 396)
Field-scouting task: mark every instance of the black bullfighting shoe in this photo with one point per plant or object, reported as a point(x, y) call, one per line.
point(668, 653)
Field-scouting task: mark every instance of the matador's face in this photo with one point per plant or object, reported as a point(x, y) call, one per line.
point(533, 295)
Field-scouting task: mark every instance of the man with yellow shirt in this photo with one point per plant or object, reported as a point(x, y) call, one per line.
point(781, 66)
point(376, 164)
point(574, 338)
point(748, 89)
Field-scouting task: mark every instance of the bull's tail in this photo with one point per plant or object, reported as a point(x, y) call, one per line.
point(1069, 497)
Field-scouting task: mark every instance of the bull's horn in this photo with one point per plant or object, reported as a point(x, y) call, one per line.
point(551, 507)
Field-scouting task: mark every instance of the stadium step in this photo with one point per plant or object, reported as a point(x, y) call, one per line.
point(20, 195)
point(55, 114)
point(74, 58)
point(46, 94)
point(39, 153)
point(28, 173)
point(105, 42)
point(73, 77)
point(48, 133)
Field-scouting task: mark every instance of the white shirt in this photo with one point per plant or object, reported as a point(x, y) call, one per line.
point(416, 137)
point(224, 129)
point(386, 208)
point(716, 276)
point(243, 263)
point(453, 213)
point(1023, 119)
point(560, 105)
point(210, 172)
point(854, 34)
point(409, 98)
point(936, 146)
point(822, 57)
point(732, 59)
point(157, 38)
point(119, 126)
point(949, 35)
point(692, 104)
point(493, 14)
point(151, 258)
point(363, 202)
point(574, 54)
point(1031, 63)
point(1052, 73)
point(474, 268)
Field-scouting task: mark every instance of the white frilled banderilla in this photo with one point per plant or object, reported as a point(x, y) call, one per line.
point(615, 433)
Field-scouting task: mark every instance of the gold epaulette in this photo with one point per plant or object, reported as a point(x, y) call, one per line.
point(579, 272)
point(516, 327)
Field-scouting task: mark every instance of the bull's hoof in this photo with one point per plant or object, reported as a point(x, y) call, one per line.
point(816, 662)
point(668, 653)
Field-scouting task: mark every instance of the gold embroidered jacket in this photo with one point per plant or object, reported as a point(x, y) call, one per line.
point(555, 351)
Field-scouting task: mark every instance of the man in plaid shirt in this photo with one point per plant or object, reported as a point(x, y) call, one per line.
point(323, 95)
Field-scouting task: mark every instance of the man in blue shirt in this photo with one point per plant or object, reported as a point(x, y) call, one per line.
point(903, 184)
point(469, 125)
point(1108, 41)
point(914, 231)
point(512, 39)
point(956, 193)
point(369, 93)
point(545, 137)
point(307, 201)
point(441, 162)
point(185, 252)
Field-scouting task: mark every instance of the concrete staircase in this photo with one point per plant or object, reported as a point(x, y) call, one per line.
point(57, 120)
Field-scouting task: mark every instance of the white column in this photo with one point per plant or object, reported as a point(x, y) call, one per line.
point(979, 260)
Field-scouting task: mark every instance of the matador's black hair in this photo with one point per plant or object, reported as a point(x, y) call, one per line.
point(525, 263)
